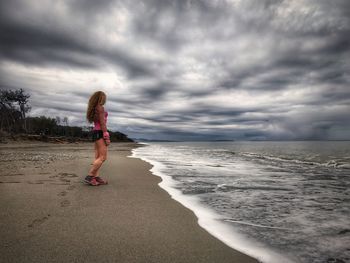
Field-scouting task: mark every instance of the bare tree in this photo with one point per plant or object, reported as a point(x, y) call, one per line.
point(11, 115)
point(65, 121)
point(58, 120)
point(22, 100)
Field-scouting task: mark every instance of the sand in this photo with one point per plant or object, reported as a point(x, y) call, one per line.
point(49, 215)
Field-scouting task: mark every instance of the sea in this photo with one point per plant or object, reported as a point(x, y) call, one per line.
point(276, 201)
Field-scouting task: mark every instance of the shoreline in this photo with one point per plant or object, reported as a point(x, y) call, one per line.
point(50, 216)
point(210, 221)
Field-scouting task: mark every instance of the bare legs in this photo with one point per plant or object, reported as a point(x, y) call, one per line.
point(100, 157)
point(96, 156)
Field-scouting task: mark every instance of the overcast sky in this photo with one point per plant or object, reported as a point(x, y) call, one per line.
point(249, 69)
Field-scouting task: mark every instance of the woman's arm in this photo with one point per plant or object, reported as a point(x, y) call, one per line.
point(101, 118)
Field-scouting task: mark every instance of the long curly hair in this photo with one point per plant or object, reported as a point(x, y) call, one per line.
point(99, 97)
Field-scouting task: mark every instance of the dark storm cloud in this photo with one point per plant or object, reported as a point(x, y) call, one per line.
point(155, 91)
point(254, 69)
point(90, 7)
point(41, 44)
point(36, 46)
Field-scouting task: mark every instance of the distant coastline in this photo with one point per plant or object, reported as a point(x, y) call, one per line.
point(299, 140)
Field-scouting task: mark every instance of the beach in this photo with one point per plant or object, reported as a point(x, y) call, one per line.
point(49, 215)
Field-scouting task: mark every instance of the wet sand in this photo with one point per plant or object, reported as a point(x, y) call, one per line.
point(49, 215)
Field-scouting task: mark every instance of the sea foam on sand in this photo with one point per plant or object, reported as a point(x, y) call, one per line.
point(212, 222)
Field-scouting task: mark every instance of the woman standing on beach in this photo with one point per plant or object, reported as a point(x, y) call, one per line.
point(96, 113)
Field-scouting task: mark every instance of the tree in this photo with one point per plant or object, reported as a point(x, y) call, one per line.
point(13, 107)
point(65, 121)
point(58, 120)
point(42, 125)
point(22, 100)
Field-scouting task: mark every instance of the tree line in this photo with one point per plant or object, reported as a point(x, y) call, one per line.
point(14, 106)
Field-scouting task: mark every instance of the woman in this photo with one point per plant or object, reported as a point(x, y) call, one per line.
point(96, 113)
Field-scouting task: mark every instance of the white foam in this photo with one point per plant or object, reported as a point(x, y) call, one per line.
point(344, 166)
point(261, 226)
point(144, 143)
point(212, 222)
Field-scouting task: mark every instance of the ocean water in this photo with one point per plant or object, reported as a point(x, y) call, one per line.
point(276, 201)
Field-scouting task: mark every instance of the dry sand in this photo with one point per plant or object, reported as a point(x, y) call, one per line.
point(49, 215)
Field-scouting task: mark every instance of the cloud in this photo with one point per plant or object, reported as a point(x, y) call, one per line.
point(252, 69)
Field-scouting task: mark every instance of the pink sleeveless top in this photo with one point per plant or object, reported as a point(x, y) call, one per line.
point(97, 124)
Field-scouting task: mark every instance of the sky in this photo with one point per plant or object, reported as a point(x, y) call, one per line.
point(185, 70)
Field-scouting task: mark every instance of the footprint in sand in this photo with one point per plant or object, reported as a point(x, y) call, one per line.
point(71, 187)
point(63, 193)
point(65, 203)
point(64, 176)
point(70, 175)
point(35, 182)
point(45, 180)
point(63, 183)
point(38, 221)
point(64, 180)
